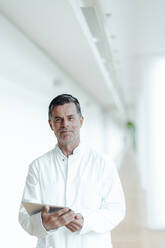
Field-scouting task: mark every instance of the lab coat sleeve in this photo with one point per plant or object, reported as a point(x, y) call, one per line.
point(32, 224)
point(112, 209)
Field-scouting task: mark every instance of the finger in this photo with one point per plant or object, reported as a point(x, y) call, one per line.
point(78, 220)
point(73, 227)
point(46, 210)
point(70, 228)
point(76, 224)
point(67, 218)
point(61, 212)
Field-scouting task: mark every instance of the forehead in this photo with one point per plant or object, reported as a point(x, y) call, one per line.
point(65, 109)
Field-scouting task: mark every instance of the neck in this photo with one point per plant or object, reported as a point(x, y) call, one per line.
point(67, 149)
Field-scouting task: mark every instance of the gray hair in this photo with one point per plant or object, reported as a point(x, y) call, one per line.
point(61, 100)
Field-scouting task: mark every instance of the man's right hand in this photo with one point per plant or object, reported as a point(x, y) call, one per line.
point(57, 219)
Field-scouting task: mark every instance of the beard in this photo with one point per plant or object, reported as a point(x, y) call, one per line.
point(66, 137)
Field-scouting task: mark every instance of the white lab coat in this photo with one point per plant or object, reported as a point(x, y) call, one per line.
point(86, 182)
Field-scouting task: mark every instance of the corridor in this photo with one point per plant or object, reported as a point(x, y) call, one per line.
point(132, 232)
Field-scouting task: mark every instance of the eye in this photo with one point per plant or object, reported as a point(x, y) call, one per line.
point(70, 118)
point(57, 119)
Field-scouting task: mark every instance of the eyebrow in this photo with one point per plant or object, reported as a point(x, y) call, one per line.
point(57, 116)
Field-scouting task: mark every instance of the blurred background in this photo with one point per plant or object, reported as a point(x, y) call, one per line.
point(111, 56)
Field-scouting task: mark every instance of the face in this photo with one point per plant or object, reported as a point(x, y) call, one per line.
point(66, 123)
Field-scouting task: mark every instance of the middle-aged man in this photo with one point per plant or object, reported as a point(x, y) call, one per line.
point(77, 177)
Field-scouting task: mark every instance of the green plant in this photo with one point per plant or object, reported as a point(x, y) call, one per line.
point(132, 130)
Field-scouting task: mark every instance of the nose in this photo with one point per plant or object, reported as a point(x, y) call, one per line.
point(65, 123)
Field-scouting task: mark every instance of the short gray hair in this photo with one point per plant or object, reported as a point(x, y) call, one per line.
point(61, 100)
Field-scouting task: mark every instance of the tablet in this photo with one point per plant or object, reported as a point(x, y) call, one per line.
point(34, 208)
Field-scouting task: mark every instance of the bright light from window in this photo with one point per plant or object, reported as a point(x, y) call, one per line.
point(156, 201)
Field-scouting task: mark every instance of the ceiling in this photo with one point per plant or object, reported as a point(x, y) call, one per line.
point(97, 42)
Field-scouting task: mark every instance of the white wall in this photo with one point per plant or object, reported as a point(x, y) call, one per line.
point(27, 86)
point(151, 139)
point(114, 137)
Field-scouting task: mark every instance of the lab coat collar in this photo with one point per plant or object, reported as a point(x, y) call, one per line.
point(76, 151)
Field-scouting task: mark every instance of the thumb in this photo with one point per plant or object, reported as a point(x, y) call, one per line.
point(46, 210)
point(78, 216)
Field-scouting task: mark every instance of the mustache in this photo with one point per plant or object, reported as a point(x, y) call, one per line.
point(65, 130)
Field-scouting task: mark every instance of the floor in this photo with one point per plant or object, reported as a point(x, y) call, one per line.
point(131, 233)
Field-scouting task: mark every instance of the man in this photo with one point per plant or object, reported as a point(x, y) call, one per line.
point(74, 176)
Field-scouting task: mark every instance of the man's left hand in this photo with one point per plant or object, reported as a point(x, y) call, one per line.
point(76, 224)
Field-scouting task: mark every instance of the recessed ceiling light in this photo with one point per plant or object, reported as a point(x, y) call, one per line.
point(57, 82)
point(108, 15)
point(112, 36)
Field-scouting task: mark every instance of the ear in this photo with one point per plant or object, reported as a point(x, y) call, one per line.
point(81, 121)
point(50, 124)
